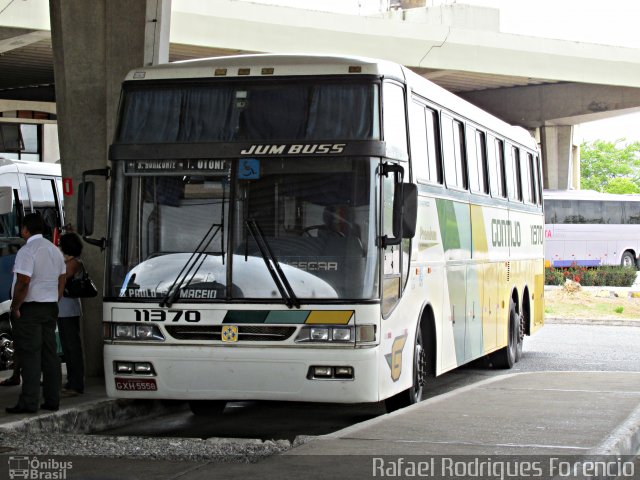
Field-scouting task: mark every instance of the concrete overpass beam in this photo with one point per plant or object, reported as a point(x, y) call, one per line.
point(560, 157)
point(558, 103)
point(94, 46)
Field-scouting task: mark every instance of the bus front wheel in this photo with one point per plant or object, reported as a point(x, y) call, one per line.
point(420, 374)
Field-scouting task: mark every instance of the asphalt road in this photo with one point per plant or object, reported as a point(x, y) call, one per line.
point(554, 348)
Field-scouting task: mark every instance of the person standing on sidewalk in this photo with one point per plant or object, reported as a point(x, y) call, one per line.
point(69, 318)
point(39, 278)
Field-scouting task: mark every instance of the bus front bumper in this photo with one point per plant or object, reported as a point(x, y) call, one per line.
point(245, 373)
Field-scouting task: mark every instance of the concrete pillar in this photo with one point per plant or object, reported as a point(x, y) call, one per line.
point(557, 156)
point(94, 45)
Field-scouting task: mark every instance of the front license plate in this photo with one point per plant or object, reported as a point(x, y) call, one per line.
point(136, 384)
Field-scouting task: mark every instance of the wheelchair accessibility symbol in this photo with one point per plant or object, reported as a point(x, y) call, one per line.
point(230, 333)
point(248, 169)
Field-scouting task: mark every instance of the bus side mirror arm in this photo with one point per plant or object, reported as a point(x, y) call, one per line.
point(86, 206)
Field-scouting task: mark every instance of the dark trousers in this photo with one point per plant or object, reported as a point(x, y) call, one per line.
point(69, 330)
point(34, 334)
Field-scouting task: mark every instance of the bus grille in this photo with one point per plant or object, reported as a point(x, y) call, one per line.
point(246, 333)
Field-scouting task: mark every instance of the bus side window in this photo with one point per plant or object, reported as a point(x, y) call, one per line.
point(419, 149)
point(632, 213)
point(433, 146)
point(525, 177)
point(394, 122)
point(477, 160)
point(531, 171)
point(550, 212)
point(472, 160)
point(613, 212)
point(453, 152)
point(496, 167)
point(538, 178)
point(514, 186)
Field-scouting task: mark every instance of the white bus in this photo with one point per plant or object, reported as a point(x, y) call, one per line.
point(313, 228)
point(590, 229)
point(25, 187)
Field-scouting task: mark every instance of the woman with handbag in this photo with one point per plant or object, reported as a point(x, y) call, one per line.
point(69, 314)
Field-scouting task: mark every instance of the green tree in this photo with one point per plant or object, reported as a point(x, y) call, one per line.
point(611, 167)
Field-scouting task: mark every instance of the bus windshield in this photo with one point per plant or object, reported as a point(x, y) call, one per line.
point(202, 236)
point(242, 110)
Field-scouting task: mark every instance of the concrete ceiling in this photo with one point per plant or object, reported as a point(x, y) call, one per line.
point(26, 63)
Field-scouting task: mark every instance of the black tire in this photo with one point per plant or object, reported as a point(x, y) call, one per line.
point(506, 357)
point(628, 260)
point(207, 408)
point(7, 352)
point(421, 373)
point(520, 332)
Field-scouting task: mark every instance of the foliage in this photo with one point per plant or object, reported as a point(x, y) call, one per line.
point(611, 167)
point(618, 309)
point(591, 277)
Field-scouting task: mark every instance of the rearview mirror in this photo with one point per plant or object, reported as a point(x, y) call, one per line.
point(409, 210)
point(86, 206)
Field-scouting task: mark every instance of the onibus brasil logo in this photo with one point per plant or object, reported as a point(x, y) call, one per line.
point(38, 469)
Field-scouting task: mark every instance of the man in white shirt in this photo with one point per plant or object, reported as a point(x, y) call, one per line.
point(39, 278)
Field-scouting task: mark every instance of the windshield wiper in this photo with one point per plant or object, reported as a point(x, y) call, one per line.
point(272, 264)
point(191, 263)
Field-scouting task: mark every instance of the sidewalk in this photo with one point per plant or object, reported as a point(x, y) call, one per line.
point(91, 411)
point(538, 413)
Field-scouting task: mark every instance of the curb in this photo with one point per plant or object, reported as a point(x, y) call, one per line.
point(615, 322)
point(92, 417)
point(624, 440)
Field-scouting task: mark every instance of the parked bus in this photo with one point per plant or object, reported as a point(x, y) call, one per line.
point(311, 228)
point(25, 187)
point(591, 229)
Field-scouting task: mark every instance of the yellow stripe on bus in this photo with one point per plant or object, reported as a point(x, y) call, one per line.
point(334, 317)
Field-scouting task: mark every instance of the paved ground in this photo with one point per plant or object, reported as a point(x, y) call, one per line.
point(548, 414)
point(534, 418)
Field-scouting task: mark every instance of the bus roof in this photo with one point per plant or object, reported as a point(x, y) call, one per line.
point(273, 65)
point(588, 195)
point(268, 65)
point(20, 166)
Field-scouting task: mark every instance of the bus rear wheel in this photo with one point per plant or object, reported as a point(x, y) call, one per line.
point(420, 375)
point(207, 408)
point(507, 356)
point(628, 260)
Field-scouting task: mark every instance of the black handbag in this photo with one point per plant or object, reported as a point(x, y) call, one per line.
point(80, 286)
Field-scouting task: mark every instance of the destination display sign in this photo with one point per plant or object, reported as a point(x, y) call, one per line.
point(177, 166)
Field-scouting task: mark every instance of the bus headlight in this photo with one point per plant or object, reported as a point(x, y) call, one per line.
point(124, 332)
point(130, 331)
point(148, 332)
point(326, 334)
point(341, 334)
point(319, 334)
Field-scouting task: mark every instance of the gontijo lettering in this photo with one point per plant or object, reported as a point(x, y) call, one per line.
point(505, 233)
